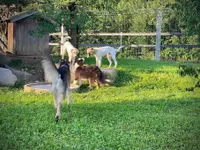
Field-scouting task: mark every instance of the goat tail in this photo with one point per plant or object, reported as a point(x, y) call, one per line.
point(119, 49)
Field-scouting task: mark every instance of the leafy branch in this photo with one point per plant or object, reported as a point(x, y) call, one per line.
point(190, 71)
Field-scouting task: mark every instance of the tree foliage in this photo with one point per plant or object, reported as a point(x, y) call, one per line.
point(124, 16)
point(191, 71)
point(188, 14)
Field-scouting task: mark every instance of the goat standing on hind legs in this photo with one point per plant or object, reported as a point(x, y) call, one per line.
point(60, 79)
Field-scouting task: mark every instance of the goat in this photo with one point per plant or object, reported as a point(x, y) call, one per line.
point(102, 51)
point(91, 73)
point(71, 50)
point(60, 79)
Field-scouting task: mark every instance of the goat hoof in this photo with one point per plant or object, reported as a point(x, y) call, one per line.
point(57, 118)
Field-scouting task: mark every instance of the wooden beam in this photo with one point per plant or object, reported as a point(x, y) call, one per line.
point(54, 44)
point(59, 33)
point(11, 37)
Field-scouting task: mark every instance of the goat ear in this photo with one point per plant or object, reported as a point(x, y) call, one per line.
point(74, 50)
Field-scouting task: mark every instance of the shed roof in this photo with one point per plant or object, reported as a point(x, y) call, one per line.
point(27, 14)
point(21, 16)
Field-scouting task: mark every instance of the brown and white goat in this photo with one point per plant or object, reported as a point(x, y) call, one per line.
point(90, 73)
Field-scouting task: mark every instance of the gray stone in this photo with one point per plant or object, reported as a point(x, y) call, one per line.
point(7, 77)
point(21, 75)
point(110, 75)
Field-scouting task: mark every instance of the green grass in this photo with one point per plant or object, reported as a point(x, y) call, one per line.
point(147, 108)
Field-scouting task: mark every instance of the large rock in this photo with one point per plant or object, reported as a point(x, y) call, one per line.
point(21, 75)
point(7, 77)
point(110, 75)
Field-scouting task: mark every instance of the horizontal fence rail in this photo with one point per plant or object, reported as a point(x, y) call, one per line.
point(143, 45)
point(132, 34)
point(181, 46)
point(128, 45)
point(114, 45)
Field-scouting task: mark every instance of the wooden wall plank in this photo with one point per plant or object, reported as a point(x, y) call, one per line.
point(10, 43)
point(27, 44)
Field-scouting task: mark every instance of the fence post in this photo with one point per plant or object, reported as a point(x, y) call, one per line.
point(121, 43)
point(158, 36)
point(62, 40)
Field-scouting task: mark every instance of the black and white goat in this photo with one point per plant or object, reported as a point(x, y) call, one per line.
point(60, 78)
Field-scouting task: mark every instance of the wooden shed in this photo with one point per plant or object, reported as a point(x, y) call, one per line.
point(20, 39)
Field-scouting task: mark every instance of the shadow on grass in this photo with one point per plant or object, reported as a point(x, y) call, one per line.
point(124, 77)
point(133, 122)
point(84, 88)
point(163, 107)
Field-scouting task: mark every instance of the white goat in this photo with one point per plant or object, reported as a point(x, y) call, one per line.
point(71, 50)
point(102, 51)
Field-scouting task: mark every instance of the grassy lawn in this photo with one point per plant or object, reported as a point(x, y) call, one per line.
point(148, 108)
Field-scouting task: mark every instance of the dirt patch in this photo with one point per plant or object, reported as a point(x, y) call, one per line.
point(30, 64)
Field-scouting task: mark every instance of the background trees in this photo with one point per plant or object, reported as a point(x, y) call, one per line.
point(123, 16)
point(188, 15)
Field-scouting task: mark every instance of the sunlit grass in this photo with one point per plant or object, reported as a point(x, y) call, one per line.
point(147, 108)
